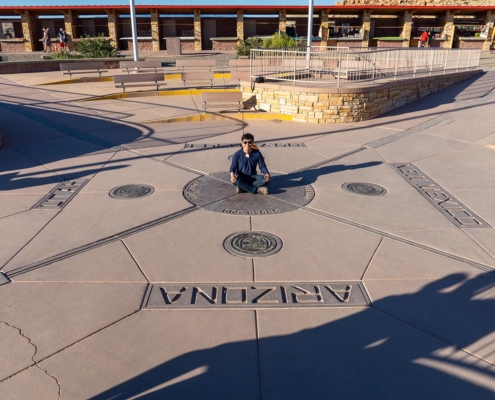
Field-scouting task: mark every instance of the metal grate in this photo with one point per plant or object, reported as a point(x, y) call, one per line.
point(61, 195)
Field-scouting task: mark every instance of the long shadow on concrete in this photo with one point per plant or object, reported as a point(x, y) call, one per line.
point(39, 136)
point(280, 184)
point(401, 348)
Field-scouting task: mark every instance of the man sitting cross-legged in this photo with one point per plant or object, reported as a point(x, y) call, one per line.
point(243, 168)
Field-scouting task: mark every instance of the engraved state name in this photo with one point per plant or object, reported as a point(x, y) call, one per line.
point(224, 145)
point(254, 295)
point(452, 208)
point(257, 212)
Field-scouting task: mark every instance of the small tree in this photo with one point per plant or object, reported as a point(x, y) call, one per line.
point(96, 47)
point(278, 40)
point(244, 47)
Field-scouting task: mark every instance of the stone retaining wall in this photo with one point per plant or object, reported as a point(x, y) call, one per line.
point(50, 65)
point(330, 105)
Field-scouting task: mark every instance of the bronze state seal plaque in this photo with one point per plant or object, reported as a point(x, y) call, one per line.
point(252, 244)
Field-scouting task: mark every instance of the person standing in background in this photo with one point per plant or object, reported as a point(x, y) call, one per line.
point(424, 38)
point(47, 41)
point(63, 40)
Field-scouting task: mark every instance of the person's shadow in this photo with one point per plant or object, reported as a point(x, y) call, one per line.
point(408, 346)
point(281, 182)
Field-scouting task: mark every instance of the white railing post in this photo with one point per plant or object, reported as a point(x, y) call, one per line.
point(415, 62)
point(431, 60)
point(396, 64)
point(294, 76)
point(446, 52)
point(251, 54)
point(283, 61)
point(373, 75)
point(347, 67)
point(338, 73)
point(386, 67)
point(469, 59)
point(458, 59)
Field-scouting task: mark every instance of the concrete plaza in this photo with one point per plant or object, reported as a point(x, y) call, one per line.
point(369, 297)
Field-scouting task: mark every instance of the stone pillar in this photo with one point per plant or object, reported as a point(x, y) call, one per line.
point(324, 32)
point(407, 28)
point(113, 25)
point(282, 21)
point(448, 30)
point(70, 21)
point(365, 29)
point(240, 24)
point(198, 45)
point(155, 30)
point(28, 26)
point(489, 22)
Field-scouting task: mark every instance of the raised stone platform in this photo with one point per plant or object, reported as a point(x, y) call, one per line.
point(317, 103)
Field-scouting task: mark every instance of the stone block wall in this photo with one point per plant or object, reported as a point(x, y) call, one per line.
point(415, 2)
point(339, 105)
point(225, 45)
point(12, 47)
point(143, 45)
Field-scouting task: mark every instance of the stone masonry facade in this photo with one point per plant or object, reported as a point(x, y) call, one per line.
point(333, 105)
point(416, 2)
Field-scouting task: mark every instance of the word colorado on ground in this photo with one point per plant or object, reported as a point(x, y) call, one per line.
point(256, 295)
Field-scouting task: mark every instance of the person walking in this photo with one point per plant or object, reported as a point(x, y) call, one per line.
point(47, 41)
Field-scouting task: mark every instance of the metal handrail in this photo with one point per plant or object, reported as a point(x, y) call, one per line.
point(333, 65)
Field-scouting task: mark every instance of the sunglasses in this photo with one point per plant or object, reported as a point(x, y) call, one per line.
point(247, 142)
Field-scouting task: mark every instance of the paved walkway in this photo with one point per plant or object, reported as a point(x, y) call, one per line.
point(366, 297)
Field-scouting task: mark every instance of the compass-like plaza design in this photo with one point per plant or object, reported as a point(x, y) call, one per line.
point(133, 268)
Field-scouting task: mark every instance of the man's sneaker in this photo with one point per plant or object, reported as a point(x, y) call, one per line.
point(263, 190)
point(239, 190)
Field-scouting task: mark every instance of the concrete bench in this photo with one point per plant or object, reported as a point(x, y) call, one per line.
point(139, 65)
point(196, 64)
point(222, 100)
point(83, 67)
point(197, 77)
point(139, 80)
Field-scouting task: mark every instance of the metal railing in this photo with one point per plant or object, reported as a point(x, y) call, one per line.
point(334, 66)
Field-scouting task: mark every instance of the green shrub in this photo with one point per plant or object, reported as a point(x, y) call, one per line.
point(278, 41)
point(96, 47)
point(63, 55)
point(244, 47)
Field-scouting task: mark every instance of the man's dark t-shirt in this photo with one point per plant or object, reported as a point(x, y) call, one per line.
point(243, 165)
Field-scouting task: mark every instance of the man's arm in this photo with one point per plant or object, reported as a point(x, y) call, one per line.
point(263, 168)
point(233, 169)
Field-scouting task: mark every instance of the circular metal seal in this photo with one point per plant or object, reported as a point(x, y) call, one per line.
point(131, 191)
point(364, 189)
point(252, 244)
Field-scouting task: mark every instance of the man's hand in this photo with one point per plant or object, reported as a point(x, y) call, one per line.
point(267, 177)
point(233, 178)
